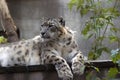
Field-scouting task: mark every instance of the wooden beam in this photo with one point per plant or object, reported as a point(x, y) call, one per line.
point(41, 68)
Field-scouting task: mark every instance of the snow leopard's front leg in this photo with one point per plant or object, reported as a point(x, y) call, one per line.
point(63, 69)
point(78, 63)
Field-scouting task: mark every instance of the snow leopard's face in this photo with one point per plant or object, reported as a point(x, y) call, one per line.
point(52, 28)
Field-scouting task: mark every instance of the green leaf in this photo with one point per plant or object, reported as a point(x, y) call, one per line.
point(106, 49)
point(88, 36)
point(113, 38)
point(2, 39)
point(115, 12)
point(80, 4)
point(71, 4)
point(83, 11)
point(112, 72)
point(99, 52)
point(110, 23)
point(116, 58)
point(97, 69)
point(91, 55)
point(114, 29)
point(100, 38)
point(86, 29)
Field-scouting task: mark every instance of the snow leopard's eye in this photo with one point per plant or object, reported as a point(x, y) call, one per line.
point(51, 25)
point(53, 29)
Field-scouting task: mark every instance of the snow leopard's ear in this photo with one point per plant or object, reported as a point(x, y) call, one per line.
point(61, 21)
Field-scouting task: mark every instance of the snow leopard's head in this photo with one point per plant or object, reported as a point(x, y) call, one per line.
point(52, 28)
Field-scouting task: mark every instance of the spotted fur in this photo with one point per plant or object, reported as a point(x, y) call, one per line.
point(56, 45)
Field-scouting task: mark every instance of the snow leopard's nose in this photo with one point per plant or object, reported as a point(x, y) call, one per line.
point(42, 33)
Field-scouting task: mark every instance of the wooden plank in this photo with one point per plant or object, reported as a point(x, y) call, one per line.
point(37, 68)
point(101, 63)
point(47, 72)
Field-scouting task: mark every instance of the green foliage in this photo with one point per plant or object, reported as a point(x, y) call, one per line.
point(98, 24)
point(114, 38)
point(112, 73)
point(2, 40)
point(96, 27)
point(115, 56)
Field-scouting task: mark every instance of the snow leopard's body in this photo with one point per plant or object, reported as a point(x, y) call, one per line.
point(56, 45)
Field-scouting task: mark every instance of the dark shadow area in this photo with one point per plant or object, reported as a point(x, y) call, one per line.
point(48, 72)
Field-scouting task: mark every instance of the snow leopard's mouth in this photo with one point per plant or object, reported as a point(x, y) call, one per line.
point(45, 36)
